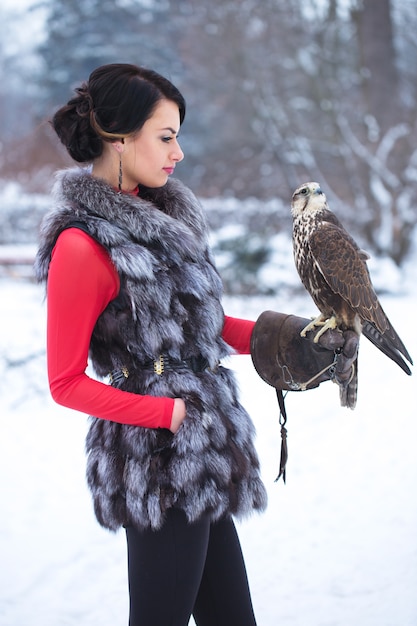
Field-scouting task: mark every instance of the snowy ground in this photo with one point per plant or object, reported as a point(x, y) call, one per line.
point(336, 547)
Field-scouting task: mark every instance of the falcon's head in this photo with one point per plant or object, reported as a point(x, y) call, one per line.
point(308, 198)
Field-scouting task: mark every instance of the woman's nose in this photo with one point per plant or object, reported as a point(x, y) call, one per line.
point(177, 154)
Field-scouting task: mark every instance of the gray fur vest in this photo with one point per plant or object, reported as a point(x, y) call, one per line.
point(169, 302)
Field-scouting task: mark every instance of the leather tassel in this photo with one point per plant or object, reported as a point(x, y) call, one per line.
point(284, 446)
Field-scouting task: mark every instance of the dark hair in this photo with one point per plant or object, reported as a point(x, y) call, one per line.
point(115, 102)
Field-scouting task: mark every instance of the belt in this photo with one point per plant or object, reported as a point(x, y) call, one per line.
point(160, 365)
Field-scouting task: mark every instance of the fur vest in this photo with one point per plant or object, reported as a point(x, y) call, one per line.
point(169, 303)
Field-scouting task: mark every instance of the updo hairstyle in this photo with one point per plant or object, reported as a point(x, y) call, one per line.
point(115, 103)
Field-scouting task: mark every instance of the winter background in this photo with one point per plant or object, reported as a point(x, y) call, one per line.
point(337, 545)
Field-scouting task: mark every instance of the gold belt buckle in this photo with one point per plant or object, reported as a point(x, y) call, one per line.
point(159, 365)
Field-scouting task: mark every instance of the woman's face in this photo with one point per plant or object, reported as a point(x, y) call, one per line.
point(149, 157)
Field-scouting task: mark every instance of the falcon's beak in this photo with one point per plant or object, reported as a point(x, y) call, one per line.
point(318, 191)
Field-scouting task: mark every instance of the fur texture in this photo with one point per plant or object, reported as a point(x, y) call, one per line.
point(169, 302)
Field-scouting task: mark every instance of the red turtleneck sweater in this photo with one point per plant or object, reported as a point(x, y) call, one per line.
point(82, 281)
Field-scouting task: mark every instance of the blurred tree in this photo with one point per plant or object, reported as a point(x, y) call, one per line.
point(18, 66)
point(278, 93)
point(379, 137)
point(84, 35)
point(306, 91)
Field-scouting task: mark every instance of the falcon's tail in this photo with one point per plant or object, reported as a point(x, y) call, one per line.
point(348, 393)
point(389, 343)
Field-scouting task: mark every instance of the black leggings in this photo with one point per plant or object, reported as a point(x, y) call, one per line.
point(188, 569)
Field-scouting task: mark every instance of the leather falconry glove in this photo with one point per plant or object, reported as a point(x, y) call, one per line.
point(288, 361)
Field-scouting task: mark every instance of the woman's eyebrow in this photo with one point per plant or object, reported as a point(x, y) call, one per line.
point(171, 130)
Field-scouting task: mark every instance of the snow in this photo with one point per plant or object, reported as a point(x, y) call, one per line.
point(337, 545)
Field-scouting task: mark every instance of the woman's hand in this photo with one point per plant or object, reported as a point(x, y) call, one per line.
point(178, 415)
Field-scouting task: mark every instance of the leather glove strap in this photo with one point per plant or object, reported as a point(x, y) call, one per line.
point(284, 446)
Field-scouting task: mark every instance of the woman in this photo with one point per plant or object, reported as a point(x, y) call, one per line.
point(131, 283)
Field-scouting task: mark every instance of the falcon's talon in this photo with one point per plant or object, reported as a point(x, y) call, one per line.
point(325, 325)
point(315, 321)
point(319, 334)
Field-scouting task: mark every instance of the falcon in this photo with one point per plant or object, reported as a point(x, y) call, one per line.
point(333, 269)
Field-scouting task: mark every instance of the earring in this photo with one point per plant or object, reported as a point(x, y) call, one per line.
point(120, 173)
point(120, 165)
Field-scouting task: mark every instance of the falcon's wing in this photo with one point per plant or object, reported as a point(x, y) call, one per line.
point(343, 267)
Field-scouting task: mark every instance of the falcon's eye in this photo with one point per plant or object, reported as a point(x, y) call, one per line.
point(304, 191)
